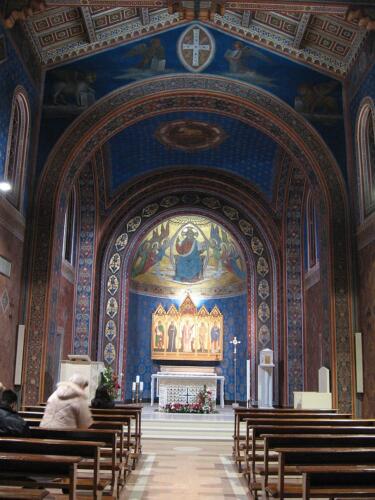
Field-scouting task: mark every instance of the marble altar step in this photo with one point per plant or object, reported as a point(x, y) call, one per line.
point(187, 429)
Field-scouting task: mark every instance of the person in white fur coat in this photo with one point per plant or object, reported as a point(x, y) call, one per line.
point(68, 406)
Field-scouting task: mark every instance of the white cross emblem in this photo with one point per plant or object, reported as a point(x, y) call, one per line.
point(196, 47)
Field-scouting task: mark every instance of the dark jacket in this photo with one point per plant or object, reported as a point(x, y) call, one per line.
point(102, 398)
point(11, 424)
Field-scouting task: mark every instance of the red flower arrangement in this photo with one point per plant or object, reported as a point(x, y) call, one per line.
point(110, 382)
point(203, 404)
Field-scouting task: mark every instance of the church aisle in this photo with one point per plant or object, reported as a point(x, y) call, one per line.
point(179, 469)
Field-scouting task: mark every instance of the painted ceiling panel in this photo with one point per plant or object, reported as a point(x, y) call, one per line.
point(244, 151)
point(72, 89)
point(317, 33)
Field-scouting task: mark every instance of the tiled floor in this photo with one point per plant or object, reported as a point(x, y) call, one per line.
point(185, 470)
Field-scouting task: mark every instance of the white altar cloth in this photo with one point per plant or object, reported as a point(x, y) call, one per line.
point(177, 387)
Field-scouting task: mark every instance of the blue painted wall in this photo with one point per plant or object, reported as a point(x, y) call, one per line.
point(246, 151)
point(139, 362)
point(12, 73)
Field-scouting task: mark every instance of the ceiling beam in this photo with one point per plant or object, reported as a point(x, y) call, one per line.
point(144, 15)
point(313, 6)
point(301, 30)
point(246, 18)
point(89, 24)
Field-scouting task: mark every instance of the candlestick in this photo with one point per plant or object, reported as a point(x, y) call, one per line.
point(137, 378)
point(247, 382)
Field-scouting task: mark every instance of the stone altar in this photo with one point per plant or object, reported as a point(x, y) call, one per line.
point(181, 384)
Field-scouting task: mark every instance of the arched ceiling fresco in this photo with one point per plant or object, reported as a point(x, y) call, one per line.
point(189, 254)
point(71, 89)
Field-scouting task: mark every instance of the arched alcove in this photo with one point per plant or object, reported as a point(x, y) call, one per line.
point(256, 300)
point(217, 95)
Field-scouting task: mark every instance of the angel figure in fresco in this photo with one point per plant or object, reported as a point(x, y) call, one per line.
point(317, 98)
point(152, 55)
point(238, 56)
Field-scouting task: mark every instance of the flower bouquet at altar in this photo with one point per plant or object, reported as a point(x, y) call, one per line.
point(203, 404)
point(109, 381)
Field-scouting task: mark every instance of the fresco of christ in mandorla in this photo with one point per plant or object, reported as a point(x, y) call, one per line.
point(189, 253)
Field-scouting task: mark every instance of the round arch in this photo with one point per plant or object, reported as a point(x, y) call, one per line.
point(188, 92)
point(261, 259)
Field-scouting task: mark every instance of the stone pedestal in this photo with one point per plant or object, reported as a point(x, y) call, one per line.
point(265, 379)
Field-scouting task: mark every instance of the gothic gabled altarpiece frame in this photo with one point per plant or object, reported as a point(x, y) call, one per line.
point(187, 333)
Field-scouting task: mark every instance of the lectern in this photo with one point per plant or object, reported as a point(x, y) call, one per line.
point(265, 378)
point(84, 366)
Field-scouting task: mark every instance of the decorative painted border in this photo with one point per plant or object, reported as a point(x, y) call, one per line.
point(85, 262)
point(293, 221)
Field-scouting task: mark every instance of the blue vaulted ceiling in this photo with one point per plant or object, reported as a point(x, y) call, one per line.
point(245, 151)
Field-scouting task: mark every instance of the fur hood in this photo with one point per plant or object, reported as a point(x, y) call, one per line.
point(69, 390)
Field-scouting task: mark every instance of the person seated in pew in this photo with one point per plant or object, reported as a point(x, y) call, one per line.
point(68, 405)
point(102, 398)
point(11, 424)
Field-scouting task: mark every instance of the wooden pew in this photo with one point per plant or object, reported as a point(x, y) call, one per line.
point(106, 439)
point(84, 449)
point(254, 449)
point(345, 481)
point(125, 415)
point(133, 411)
point(14, 465)
point(286, 419)
point(124, 450)
point(22, 493)
point(240, 415)
point(292, 457)
point(275, 441)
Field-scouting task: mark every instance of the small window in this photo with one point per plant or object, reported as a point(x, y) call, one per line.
point(366, 157)
point(18, 143)
point(69, 230)
point(311, 233)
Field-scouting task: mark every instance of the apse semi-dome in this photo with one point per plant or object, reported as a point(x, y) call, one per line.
point(188, 253)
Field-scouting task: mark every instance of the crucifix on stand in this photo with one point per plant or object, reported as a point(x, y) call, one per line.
point(235, 342)
point(187, 395)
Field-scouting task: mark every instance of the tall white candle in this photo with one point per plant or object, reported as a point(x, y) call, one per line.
point(133, 386)
point(248, 380)
point(137, 379)
point(141, 386)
